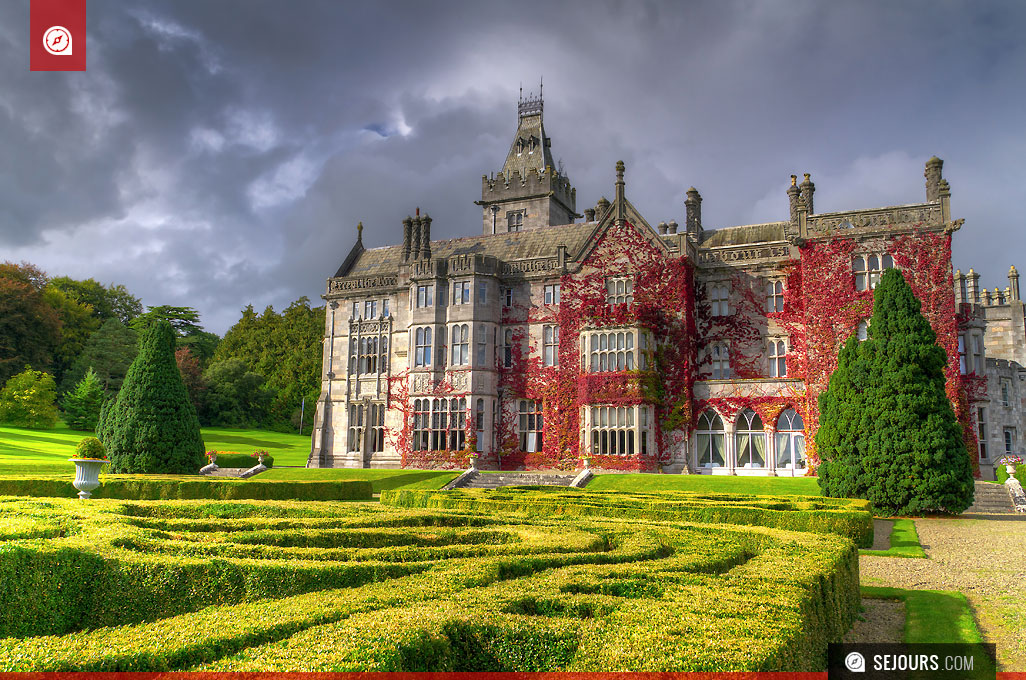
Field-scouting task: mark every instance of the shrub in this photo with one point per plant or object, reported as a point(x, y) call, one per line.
point(29, 400)
point(90, 447)
point(135, 488)
point(602, 594)
point(888, 432)
point(152, 427)
point(230, 459)
point(82, 405)
point(818, 515)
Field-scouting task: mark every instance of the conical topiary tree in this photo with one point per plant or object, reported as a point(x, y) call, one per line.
point(82, 405)
point(888, 432)
point(152, 426)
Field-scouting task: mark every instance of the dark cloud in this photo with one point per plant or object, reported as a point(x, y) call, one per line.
point(218, 154)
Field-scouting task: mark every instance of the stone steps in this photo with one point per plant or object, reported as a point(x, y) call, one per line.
point(490, 480)
point(991, 499)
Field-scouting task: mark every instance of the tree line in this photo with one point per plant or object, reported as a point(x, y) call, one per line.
point(66, 346)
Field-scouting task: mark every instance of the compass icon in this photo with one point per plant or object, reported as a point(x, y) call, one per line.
point(57, 41)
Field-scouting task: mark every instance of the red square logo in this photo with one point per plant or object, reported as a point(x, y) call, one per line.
point(58, 35)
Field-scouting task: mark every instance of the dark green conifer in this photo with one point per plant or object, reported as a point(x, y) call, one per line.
point(888, 432)
point(82, 405)
point(152, 427)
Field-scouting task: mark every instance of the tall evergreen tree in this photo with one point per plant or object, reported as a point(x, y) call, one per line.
point(888, 432)
point(152, 427)
point(82, 405)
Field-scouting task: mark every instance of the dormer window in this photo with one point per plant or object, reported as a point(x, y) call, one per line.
point(520, 146)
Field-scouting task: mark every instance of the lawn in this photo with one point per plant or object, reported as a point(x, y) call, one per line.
point(46, 452)
point(772, 486)
point(904, 542)
point(931, 616)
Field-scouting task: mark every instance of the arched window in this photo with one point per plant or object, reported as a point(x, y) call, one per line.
point(460, 345)
point(790, 441)
point(775, 297)
point(863, 330)
point(709, 440)
point(750, 440)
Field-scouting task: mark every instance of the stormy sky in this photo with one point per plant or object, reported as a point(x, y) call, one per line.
point(219, 153)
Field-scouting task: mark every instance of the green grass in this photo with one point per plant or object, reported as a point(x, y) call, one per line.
point(904, 542)
point(380, 480)
point(641, 483)
point(931, 615)
point(46, 452)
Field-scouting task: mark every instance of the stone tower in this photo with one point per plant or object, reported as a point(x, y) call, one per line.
point(529, 191)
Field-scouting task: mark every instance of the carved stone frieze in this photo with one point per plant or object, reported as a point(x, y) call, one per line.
point(886, 217)
point(743, 254)
point(529, 266)
point(345, 285)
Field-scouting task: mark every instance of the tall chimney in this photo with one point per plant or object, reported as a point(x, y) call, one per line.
point(792, 198)
point(1013, 284)
point(933, 178)
point(407, 228)
point(693, 212)
point(808, 188)
point(425, 237)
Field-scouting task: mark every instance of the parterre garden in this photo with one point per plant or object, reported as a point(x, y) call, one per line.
point(538, 580)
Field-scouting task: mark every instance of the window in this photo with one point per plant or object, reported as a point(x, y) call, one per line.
point(424, 295)
point(356, 310)
point(718, 296)
point(612, 351)
point(423, 347)
point(508, 295)
point(961, 355)
point(750, 440)
point(619, 290)
point(869, 268)
point(1006, 388)
point(356, 427)
point(507, 348)
point(978, 360)
point(370, 309)
point(552, 294)
point(482, 292)
point(778, 359)
point(376, 420)
point(612, 430)
point(461, 293)
point(550, 345)
point(981, 429)
point(1009, 439)
point(720, 362)
point(862, 331)
point(368, 355)
point(709, 440)
point(457, 423)
point(384, 308)
point(515, 220)
point(479, 424)
point(531, 426)
point(460, 345)
point(790, 441)
point(775, 297)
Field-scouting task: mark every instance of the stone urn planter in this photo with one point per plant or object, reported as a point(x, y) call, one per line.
point(87, 475)
point(474, 458)
point(212, 466)
point(1010, 469)
point(587, 462)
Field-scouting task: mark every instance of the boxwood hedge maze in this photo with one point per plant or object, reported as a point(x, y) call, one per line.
point(588, 583)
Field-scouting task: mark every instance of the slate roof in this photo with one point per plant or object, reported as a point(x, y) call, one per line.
point(523, 245)
point(750, 233)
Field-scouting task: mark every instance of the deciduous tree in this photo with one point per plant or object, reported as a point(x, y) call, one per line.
point(29, 399)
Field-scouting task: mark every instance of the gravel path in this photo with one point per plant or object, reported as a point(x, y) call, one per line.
point(983, 557)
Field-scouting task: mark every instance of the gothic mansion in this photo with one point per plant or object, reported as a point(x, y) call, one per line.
point(554, 337)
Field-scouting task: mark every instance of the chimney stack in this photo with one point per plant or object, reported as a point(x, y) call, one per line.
point(792, 199)
point(1013, 284)
point(933, 179)
point(808, 188)
point(693, 212)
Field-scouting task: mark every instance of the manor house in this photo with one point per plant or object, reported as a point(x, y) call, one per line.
point(560, 334)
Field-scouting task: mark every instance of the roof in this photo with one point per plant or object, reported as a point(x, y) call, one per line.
point(523, 245)
point(750, 233)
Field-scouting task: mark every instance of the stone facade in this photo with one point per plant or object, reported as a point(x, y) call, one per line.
point(546, 340)
point(993, 344)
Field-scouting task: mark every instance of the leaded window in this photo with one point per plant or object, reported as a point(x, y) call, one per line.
point(720, 356)
point(774, 297)
point(550, 345)
point(790, 441)
point(460, 345)
point(619, 290)
point(422, 356)
point(719, 296)
point(531, 424)
point(778, 359)
point(868, 269)
point(709, 440)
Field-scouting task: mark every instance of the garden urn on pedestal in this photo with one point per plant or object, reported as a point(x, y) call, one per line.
point(87, 475)
point(473, 461)
point(212, 466)
point(1010, 469)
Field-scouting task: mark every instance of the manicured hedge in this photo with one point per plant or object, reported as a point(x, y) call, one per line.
point(138, 585)
point(170, 488)
point(815, 514)
point(241, 460)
